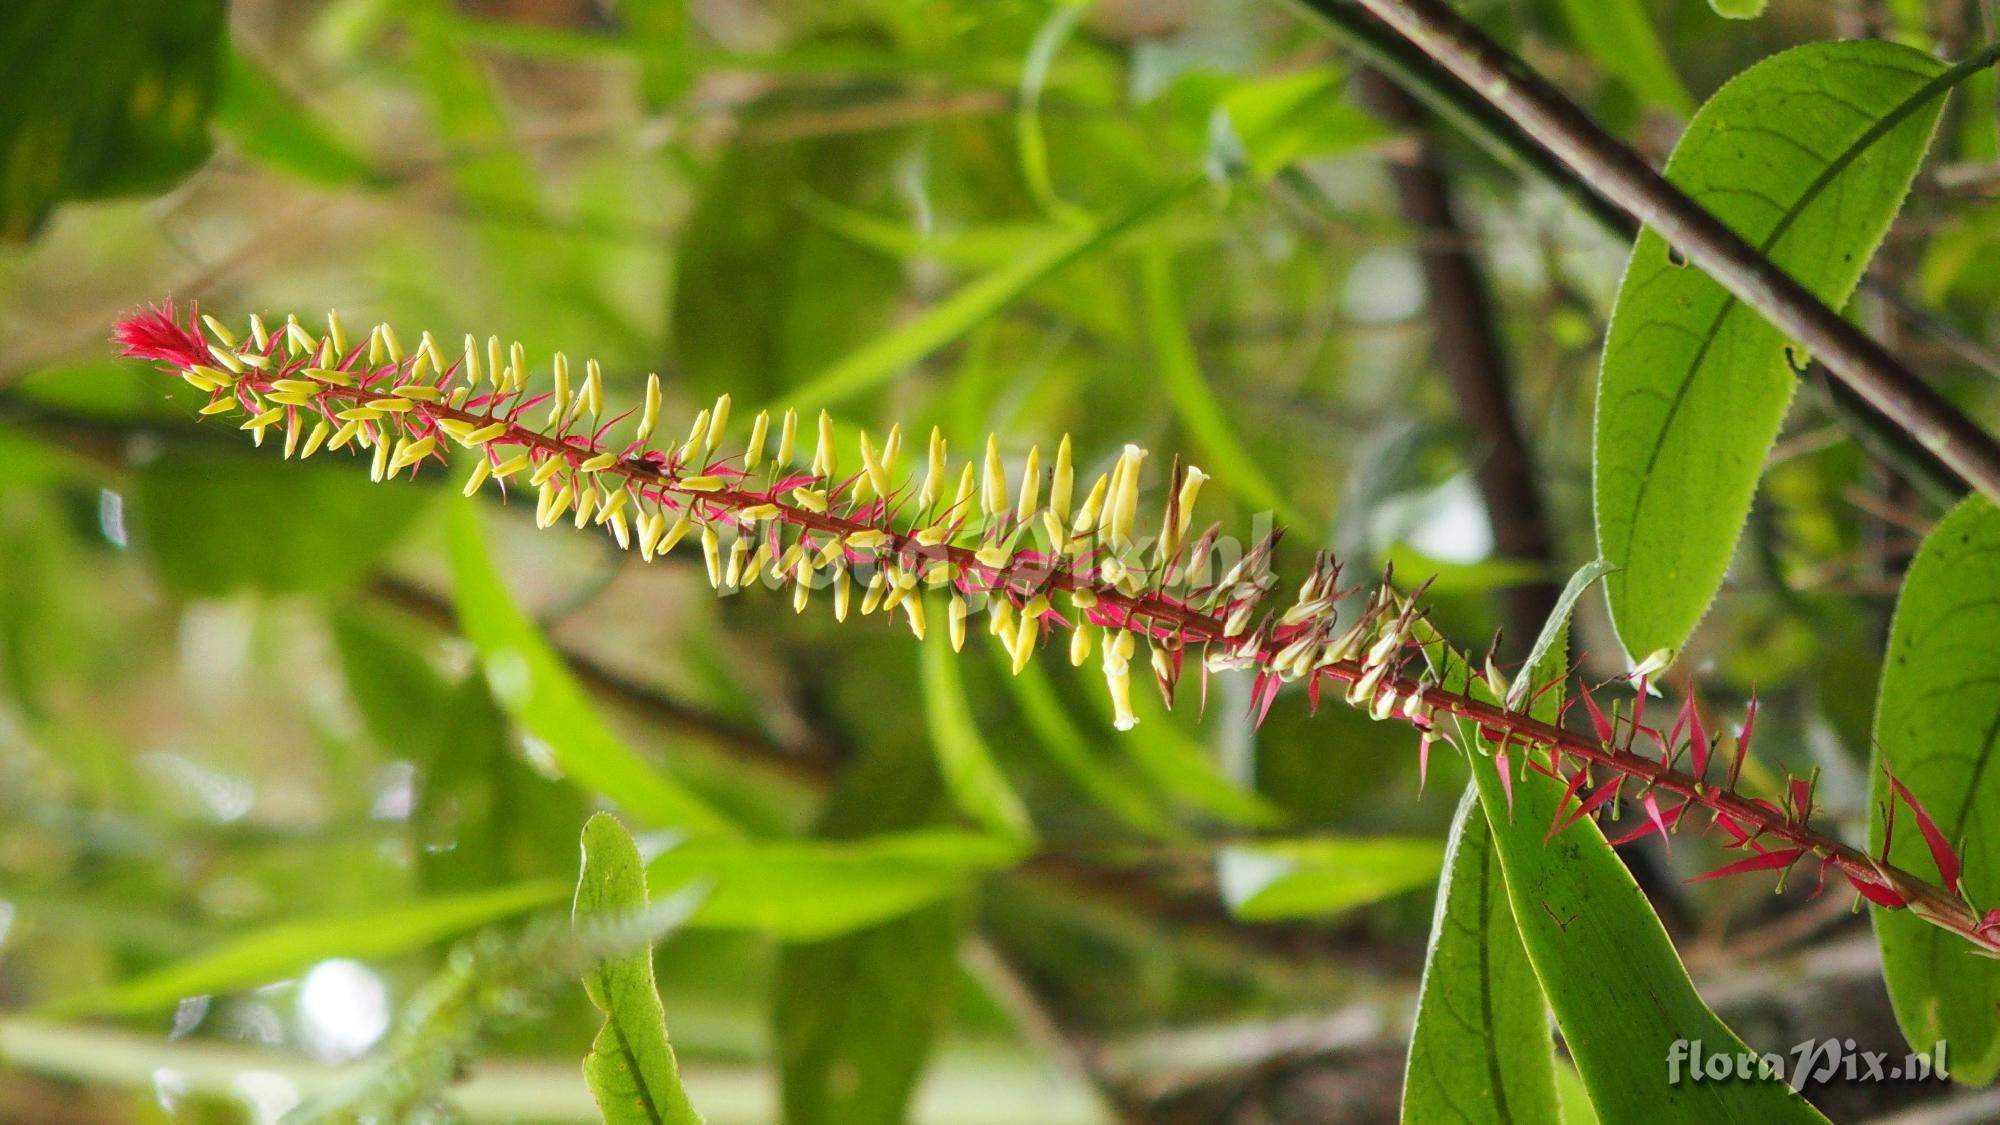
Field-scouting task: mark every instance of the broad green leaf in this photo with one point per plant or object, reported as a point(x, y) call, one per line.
point(1047, 716)
point(964, 760)
point(856, 1017)
point(216, 521)
point(1807, 155)
point(1619, 35)
point(279, 950)
point(532, 684)
point(764, 294)
point(269, 125)
point(1937, 726)
point(483, 816)
point(888, 354)
point(1195, 402)
point(804, 890)
point(107, 97)
point(1316, 877)
point(1265, 124)
point(1481, 1049)
point(631, 1066)
point(1620, 994)
point(1738, 9)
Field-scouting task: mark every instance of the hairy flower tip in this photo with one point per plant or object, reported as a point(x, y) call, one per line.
point(153, 333)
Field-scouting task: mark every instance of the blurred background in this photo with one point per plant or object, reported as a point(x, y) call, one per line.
point(243, 739)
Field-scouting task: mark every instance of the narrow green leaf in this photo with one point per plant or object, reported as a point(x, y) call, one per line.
point(890, 353)
point(268, 125)
point(1481, 1049)
point(1937, 726)
point(310, 528)
point(1181, 767)
point(1738, 9)
point(631, 1066)
point(964, 760)
point(531, 683)
point(107, 97)
point(1554, 630)
point(1807, 155)
point(1195, 402)
point(1265, 124)
point(1028, 136)
point(279, 950)
point(1619, 34)
point(1320, 876)
point(1066, 745)
point(805, 890)
point(1618, 989)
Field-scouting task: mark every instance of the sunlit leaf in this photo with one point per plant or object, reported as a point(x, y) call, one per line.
point(965, 762)
point(1481, 1049)
point(1807, 155)
point(534, 686)
point(631, 1067)
point(1316, 877)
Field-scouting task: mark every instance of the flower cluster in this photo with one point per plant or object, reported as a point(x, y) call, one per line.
point(1034, 553)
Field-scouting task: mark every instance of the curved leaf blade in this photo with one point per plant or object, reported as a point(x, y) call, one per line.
point(1808, 156)
point(1479, 999)
point(1318, 877)
point(1937, 727)
point(630, 1068)
point(964, 760)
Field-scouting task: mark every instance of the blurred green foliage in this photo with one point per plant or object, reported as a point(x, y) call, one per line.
point(260, 718)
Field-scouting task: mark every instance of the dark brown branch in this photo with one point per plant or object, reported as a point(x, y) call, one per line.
point(1620, 175)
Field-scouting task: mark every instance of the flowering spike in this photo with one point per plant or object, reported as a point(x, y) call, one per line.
point(802, 527)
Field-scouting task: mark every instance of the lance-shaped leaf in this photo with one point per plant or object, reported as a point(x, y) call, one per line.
point(1937, 732)
point(1807, 155)
point(631, 1066)
point(1481, 1050)
point(1620, 994)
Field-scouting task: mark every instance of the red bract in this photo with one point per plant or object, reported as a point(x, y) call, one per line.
point(1948, 864)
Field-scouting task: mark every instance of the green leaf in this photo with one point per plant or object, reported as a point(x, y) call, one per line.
point(1550, 642)
point(532, 684)
point(1619, 35)
point(1620, 994)
point(1179, 766)
point(108, 97)
point(1317, 877)
point(888, 354)
point(1047, 716)
point(267, 124)
point(1807, 155)
point(1195, 402)
point(217, 520)
point(1937, 725)
point(1266, 124)
point(1738, 9)
point(279, 950)
point(856, 1017)
point(1481, 1049)
point(804, 890)
point(631, 1066)
point(964, 760)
